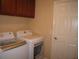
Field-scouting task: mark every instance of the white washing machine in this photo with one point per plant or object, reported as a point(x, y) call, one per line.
point(35, 43)
point(12, 48)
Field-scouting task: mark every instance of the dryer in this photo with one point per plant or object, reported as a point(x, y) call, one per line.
point(35, 43)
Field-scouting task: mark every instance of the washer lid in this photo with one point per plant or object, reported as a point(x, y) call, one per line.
point(12, 45)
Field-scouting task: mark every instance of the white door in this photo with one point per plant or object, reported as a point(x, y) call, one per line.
point(64, 42)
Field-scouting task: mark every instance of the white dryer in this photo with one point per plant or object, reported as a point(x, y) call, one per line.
point(35, 43)
point(12, 48)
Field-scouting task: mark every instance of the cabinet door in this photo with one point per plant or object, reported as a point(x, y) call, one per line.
point(32, 8)
point(26, 8)
point(29, 8)
point(19, 7)
point(0, 6)
point(8, 7)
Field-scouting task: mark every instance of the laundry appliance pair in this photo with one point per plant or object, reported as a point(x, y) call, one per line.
point(26, 45)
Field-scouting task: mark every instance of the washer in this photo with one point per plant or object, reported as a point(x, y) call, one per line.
point(11, 48)
point(35, 43)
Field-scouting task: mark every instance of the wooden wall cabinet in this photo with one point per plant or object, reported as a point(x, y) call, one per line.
point(25, 8)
